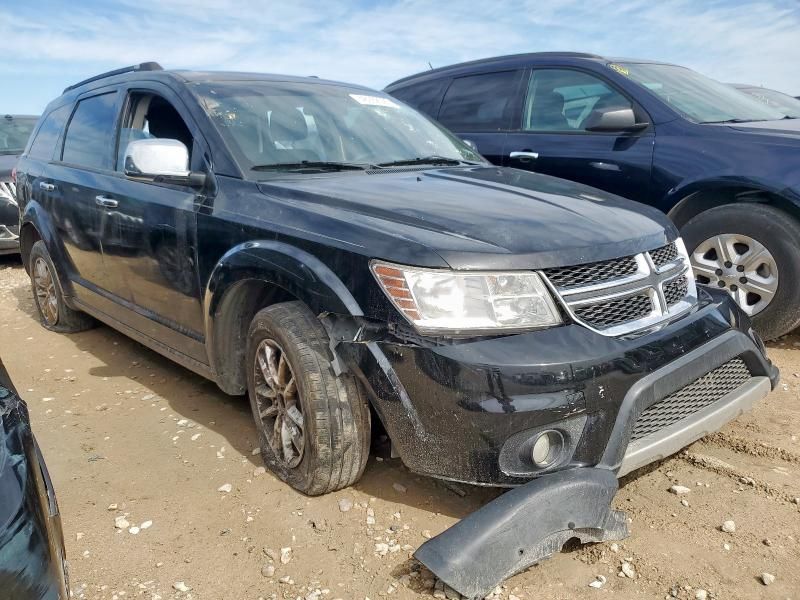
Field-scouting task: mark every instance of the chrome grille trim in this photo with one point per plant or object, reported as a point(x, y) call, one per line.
point(8, 190)
point(655, 281)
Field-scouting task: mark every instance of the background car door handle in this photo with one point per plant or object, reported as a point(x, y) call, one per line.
point(47, 187)
point(106, 201)
point(523, 155)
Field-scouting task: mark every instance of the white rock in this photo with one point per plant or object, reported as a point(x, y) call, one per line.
point(381, 549)
point(112, 506)
point(598, 582)
point(146, 525)
point(286, 555)
point(195, 436)
point(728, 526)
point(614, 547)
point(399, 487)
point(255, 451)
point(147, 397)
point(767, 578)
point(628, 570)
point(268, 570)
point(701, 594)
point(183, 422)
point(133, 530)
point(679, 490)
point(225, 488)
point(685, 502)
point(121, 523)
point(180, 586)
point(79, 535)
point(345, 504)
point(259, 471)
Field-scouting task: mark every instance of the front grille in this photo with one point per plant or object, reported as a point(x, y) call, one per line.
point(694, 397)
point(664, 255)
point(620, 310)
point(675, 290)
point(590, 273)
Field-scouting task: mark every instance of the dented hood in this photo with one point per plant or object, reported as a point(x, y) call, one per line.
point(483, 217)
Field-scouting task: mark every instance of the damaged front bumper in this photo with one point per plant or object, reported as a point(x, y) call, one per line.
point(470, 412)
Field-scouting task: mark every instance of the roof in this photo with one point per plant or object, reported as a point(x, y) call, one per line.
point(513, 60)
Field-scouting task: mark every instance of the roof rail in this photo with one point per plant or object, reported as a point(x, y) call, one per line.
point(145, 66)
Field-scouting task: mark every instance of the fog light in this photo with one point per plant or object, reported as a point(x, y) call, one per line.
point(547, 448)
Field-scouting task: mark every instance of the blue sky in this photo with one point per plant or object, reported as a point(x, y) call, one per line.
point(47, 45)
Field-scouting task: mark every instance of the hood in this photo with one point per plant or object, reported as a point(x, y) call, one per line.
point(485, 217)
point(787, 128)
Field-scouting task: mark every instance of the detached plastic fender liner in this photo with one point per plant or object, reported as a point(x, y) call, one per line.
point(523, 527)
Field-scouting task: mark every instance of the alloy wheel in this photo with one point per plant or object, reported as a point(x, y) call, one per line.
point(278, 403)
point(742, 266)
point(45, 288)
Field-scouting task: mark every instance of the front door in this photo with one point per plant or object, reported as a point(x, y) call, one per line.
point(553, 141)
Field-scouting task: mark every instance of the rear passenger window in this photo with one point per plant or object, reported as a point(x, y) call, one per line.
point(90, 132)
point(480, 102)
point(44, 144)
point(425, 96)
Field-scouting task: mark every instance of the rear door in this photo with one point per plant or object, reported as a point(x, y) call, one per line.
point(481, 108)
point(76, 180)
point(551, 138)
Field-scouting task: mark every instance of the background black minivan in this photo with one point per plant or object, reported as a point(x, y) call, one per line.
point(720, 163)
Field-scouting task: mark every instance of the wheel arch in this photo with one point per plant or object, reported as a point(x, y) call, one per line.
point(702, 196)
point(252, 276)
point(37, 225)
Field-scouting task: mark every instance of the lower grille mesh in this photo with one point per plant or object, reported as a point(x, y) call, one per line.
point(696, 396)
point(614, 312)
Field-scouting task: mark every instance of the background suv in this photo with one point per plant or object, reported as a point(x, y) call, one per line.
point(722, 164)
point(14, 133)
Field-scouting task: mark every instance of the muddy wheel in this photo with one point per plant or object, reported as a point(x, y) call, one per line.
point(54, 314)
point(314, 427)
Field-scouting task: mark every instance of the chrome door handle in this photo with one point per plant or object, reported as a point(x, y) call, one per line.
point(105, 201)
point(47, 187)
point(531, 155)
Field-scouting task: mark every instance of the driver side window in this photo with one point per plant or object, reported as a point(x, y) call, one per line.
point(151, 116)
point(562, 100)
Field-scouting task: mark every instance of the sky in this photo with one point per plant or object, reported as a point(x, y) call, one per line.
point(46, 45)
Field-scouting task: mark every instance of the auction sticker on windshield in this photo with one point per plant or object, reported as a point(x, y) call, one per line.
point(619, 69)
point(373, 100)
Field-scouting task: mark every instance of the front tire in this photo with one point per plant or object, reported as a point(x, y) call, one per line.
point(48, 298)
point(751, 251)
point(314, 427)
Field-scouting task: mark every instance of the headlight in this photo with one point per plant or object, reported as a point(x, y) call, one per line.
point(438, 300)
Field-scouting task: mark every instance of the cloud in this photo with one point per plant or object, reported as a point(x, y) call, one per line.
point(374, 42)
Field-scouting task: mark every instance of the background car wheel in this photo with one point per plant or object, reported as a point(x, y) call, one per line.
point(752, 252)
point(314, 427)
point(54, 314)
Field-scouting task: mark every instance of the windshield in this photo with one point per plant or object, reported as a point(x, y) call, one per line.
point(699, 98)
point(778, 100)
point(303, 127)
point(14, 133)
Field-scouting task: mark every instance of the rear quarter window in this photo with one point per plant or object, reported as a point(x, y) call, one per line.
point(425, 96)
point(44, 143)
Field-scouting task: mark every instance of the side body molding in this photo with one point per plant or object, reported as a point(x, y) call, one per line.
point(289, 270)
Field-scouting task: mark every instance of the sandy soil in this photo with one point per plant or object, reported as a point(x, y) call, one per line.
point(127, 433)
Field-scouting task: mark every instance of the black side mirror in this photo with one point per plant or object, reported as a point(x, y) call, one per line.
point(619, 119)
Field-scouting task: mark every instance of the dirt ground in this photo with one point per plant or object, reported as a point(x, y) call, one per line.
point(126, 433)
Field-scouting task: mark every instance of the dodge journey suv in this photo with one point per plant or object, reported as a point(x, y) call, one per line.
point(349, 264)
point(722, 164)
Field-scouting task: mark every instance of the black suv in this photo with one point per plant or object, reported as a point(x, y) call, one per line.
point(14, 133)
point(326, 249)
point(722, 164)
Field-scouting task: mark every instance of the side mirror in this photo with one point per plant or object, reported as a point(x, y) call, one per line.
point(620, 119)
point(472, 145)
point(161, 160)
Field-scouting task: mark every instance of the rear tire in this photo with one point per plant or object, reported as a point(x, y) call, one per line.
point(743, 229)
point(48, 298)
point(314, 427)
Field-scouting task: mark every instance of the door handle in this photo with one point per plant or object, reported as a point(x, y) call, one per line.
point(524, 155)
point(47, 187)
point(106, 202)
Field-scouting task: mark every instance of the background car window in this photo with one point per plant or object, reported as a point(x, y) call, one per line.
point(562, 99)
point(425, 96)
point(480, 102)
point(44, 144)
point(151, 116)
point(89, 133)
point(14, 133)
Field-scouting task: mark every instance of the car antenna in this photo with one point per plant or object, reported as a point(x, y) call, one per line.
point(430, 65)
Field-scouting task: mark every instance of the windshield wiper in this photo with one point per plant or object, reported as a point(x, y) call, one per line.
point(426, 160)
point(732, 121)
point(311, 164)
